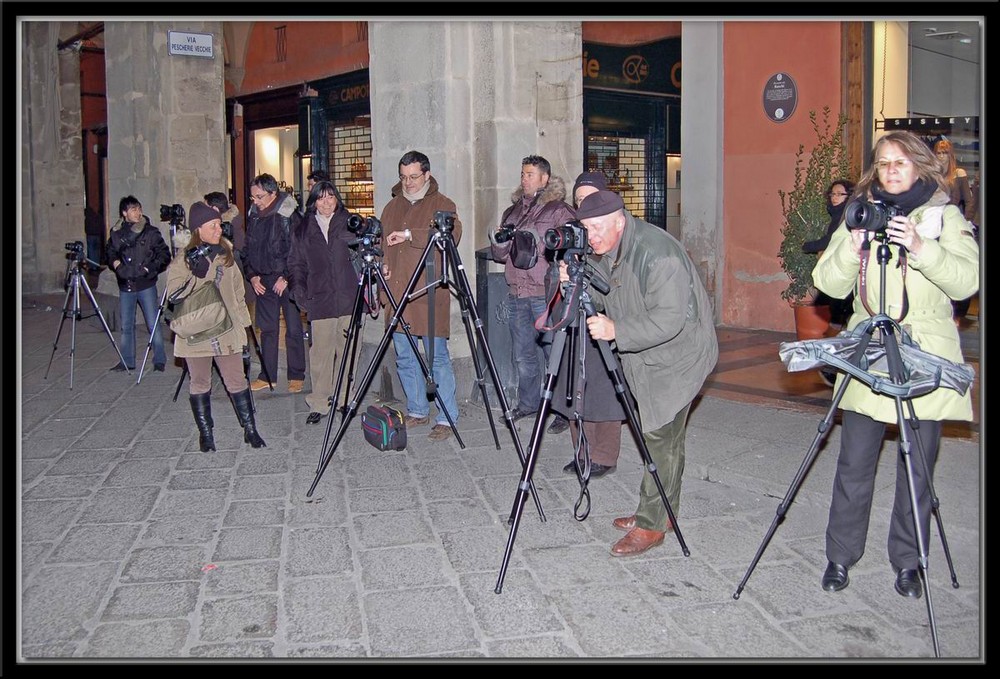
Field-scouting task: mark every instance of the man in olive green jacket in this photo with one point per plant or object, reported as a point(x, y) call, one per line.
point(660, 317)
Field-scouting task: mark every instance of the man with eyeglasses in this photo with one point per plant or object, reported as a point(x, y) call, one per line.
point(407, 218)
point(538, 205)
point(270, 221)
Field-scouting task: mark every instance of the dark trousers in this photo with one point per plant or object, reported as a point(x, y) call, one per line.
point(605, 439)
point(266, 310)
point(850, 507)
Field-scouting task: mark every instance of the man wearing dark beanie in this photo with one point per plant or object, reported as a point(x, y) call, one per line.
point(660, 317)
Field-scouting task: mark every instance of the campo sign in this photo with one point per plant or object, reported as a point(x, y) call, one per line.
point(654, 68)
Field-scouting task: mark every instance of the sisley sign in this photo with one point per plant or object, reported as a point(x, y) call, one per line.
point(190, 44)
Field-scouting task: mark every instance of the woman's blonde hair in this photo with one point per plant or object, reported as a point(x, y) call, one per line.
point(924, 162)
point(952, 172)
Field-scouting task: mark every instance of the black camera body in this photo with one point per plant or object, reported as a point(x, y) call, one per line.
point(227, 231)
point(196, 252)
point(444, 221)
point(570, 236)
point(172, 213)
point(367, 229)
point(504, 233)
point(871, 215)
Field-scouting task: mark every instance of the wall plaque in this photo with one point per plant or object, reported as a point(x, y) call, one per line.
point(781, 96)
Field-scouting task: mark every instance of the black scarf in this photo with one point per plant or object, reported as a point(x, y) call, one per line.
point(909, 200)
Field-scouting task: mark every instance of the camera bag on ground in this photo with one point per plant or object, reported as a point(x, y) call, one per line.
point(524, 249)
point(384, 427)
point(200, 315)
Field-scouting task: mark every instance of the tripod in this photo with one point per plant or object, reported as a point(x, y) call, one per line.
point(71, 309)
point(440, 237)
point(896, 387)
point(149, 344)
point(579, 302)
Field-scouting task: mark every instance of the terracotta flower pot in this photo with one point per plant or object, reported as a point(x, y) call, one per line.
point(811, 322)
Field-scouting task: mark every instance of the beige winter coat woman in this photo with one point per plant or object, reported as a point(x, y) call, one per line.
point(233, 296)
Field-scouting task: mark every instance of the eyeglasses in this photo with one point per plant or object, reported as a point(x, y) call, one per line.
point(412, 177)
point(258, 196)
point(839, 195)
point(898, 163)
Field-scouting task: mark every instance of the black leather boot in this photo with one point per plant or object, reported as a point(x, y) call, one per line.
point(244, 411)
point(201, 406)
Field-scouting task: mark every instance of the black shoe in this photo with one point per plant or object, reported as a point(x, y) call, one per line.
point(835, 578)
point(120, 368)
point(908, 583)
point(518, 413)
point(597, 470)
point(559, 425)
point(829, 377)
point(158, 367)
point(315, 417)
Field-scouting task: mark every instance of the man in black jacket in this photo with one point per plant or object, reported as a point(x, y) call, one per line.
point(270, 222)
point(137, 254)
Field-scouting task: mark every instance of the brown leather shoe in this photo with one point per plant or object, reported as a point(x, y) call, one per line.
point(627, 523)
point(637, 541)
point(295, 386)
point(439, 432)
point(413, 421)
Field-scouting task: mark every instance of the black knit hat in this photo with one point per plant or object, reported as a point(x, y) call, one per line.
point(599, 204)
point(200, 214)
point(595, 179)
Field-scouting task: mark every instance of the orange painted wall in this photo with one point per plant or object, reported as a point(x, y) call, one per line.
point(759, 155)
point(313, 50)
point(629, 32)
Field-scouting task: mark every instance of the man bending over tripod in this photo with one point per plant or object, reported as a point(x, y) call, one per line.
point(408, 218)
point(660, 316)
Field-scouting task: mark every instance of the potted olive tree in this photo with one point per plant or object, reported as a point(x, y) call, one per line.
point(805, 218)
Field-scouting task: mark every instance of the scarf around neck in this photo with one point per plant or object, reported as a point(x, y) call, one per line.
point(908, 200)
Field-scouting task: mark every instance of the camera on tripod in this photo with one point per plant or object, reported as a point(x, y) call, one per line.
point(368, 230)
point(570, 236)
point(75, 250)
point(444, 221)
point(172, 213)
point(870, 216)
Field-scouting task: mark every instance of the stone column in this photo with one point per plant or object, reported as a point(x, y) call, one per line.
point(702, 147)
point(476, 97)
point(166, 118)
point(52, 195)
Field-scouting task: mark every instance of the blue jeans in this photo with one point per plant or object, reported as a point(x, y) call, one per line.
point(412, 379)
point(150, 304)
point(526, 343)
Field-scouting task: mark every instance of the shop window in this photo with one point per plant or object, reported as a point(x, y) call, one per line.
point(622, 160)
point(274, 154)
point(351, 165)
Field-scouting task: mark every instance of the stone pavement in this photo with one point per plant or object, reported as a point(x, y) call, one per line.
point(136, 545)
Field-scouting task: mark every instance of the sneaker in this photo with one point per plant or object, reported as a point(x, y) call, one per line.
point(439, 432)
point(258, 384)
point(159, 367)
point(295, 386)
point(415, 421)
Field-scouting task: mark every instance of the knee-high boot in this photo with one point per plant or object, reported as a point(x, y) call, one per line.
point(201, 406)
point(244, 411)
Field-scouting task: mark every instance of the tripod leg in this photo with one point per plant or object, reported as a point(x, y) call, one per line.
point(523, 486)
point(905, 452)
point(67, 309)
point(104, 323)
point(480, 379)
point(935, 502)
point(155, 326)
point(260, 356)
point(184, 373)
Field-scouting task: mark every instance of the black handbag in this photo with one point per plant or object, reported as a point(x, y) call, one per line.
point(384, 427)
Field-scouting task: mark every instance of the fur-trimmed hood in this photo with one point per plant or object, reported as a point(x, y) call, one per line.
point(554, 190)
point(181, 239)
point(232, 213)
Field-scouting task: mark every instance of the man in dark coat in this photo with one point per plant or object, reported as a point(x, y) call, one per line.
point(660, 318)
point(536, 206)
point(270, 222)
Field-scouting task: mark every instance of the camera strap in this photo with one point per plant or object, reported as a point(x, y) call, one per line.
point(864, 258)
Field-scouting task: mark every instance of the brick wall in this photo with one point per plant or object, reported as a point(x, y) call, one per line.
point(351, 149)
